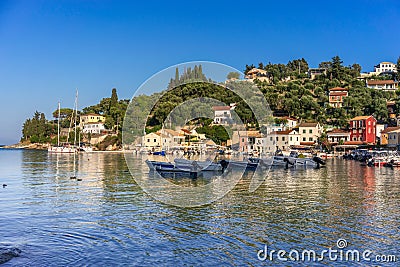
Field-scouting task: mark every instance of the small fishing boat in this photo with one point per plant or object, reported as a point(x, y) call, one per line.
point(159, 153)
point(206, 165)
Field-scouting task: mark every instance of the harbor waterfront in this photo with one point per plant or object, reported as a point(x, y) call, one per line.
point(104, 218)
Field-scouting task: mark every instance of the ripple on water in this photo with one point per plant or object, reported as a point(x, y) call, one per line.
point(107, 220)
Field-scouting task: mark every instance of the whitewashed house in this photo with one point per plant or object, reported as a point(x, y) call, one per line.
point(93, 128)
point(309, 132)
point(222, 114)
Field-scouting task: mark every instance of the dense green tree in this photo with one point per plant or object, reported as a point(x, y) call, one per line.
point(114, 98)
point(233, 75)
point(37, 129)
point(398, 68)
point(249, 67)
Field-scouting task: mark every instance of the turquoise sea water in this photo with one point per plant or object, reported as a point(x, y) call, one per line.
point(107, 220)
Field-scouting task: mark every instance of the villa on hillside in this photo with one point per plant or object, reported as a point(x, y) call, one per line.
point(385, 85)
point(287, 123)
point(313, 73)
point(336, 96)
point(384, 67)
point(93, 127)
point(222, 114)
point(91, 118)
point(258, 74)
point(381, 69)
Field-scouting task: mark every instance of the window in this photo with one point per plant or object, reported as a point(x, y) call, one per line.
point(297, 138)
point(277, 138)
point(148, 140)
point(310, 131)
point(304, 139)
point(155, 140)
point(310, 139)
point(270, 139)
point(291, 138)
point(242, 140)
point(283, 138)
point(304, 130)
point(283, 147)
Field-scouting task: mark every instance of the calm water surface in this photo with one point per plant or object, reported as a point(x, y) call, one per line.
point(107, 220)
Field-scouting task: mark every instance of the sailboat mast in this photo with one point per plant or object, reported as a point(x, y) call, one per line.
point(76, 115)
point(58, 125)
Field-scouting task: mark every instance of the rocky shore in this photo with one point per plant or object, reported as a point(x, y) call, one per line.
point(36, 146)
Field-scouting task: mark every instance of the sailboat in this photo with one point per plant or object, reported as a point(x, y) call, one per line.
point(66, 147)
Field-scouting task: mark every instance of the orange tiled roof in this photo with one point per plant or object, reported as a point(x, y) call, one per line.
point(338, 89)
point(380, 82)
point(359, 118)
point(389, 129)
point(221, 108)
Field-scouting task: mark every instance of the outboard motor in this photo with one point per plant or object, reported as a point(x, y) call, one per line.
point(370, 162)
point(224, 164)
point(319, 161)
point(287, 162)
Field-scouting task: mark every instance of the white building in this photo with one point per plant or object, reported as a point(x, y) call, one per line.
point(91, 118)
point(93, 128)
point(394, 138)
point(379, 129)
point(287, 124)
point(336, 136)
point(222, 114)
point(310, 132)
point(171, 139)
point(279, 140)
point(152, 140)
point(385, 85)
point(384, 67)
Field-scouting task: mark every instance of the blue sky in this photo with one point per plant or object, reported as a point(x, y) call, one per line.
point(49, 48)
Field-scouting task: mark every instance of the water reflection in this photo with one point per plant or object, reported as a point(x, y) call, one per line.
point(106, 219)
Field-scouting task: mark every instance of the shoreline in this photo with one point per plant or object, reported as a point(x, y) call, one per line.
point(43, 147)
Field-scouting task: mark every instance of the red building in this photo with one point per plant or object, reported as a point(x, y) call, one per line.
point(362, 128)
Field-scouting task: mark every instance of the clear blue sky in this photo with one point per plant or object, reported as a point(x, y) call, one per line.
point(49, 48)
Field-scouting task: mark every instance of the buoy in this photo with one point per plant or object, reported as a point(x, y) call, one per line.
point(4, 185)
